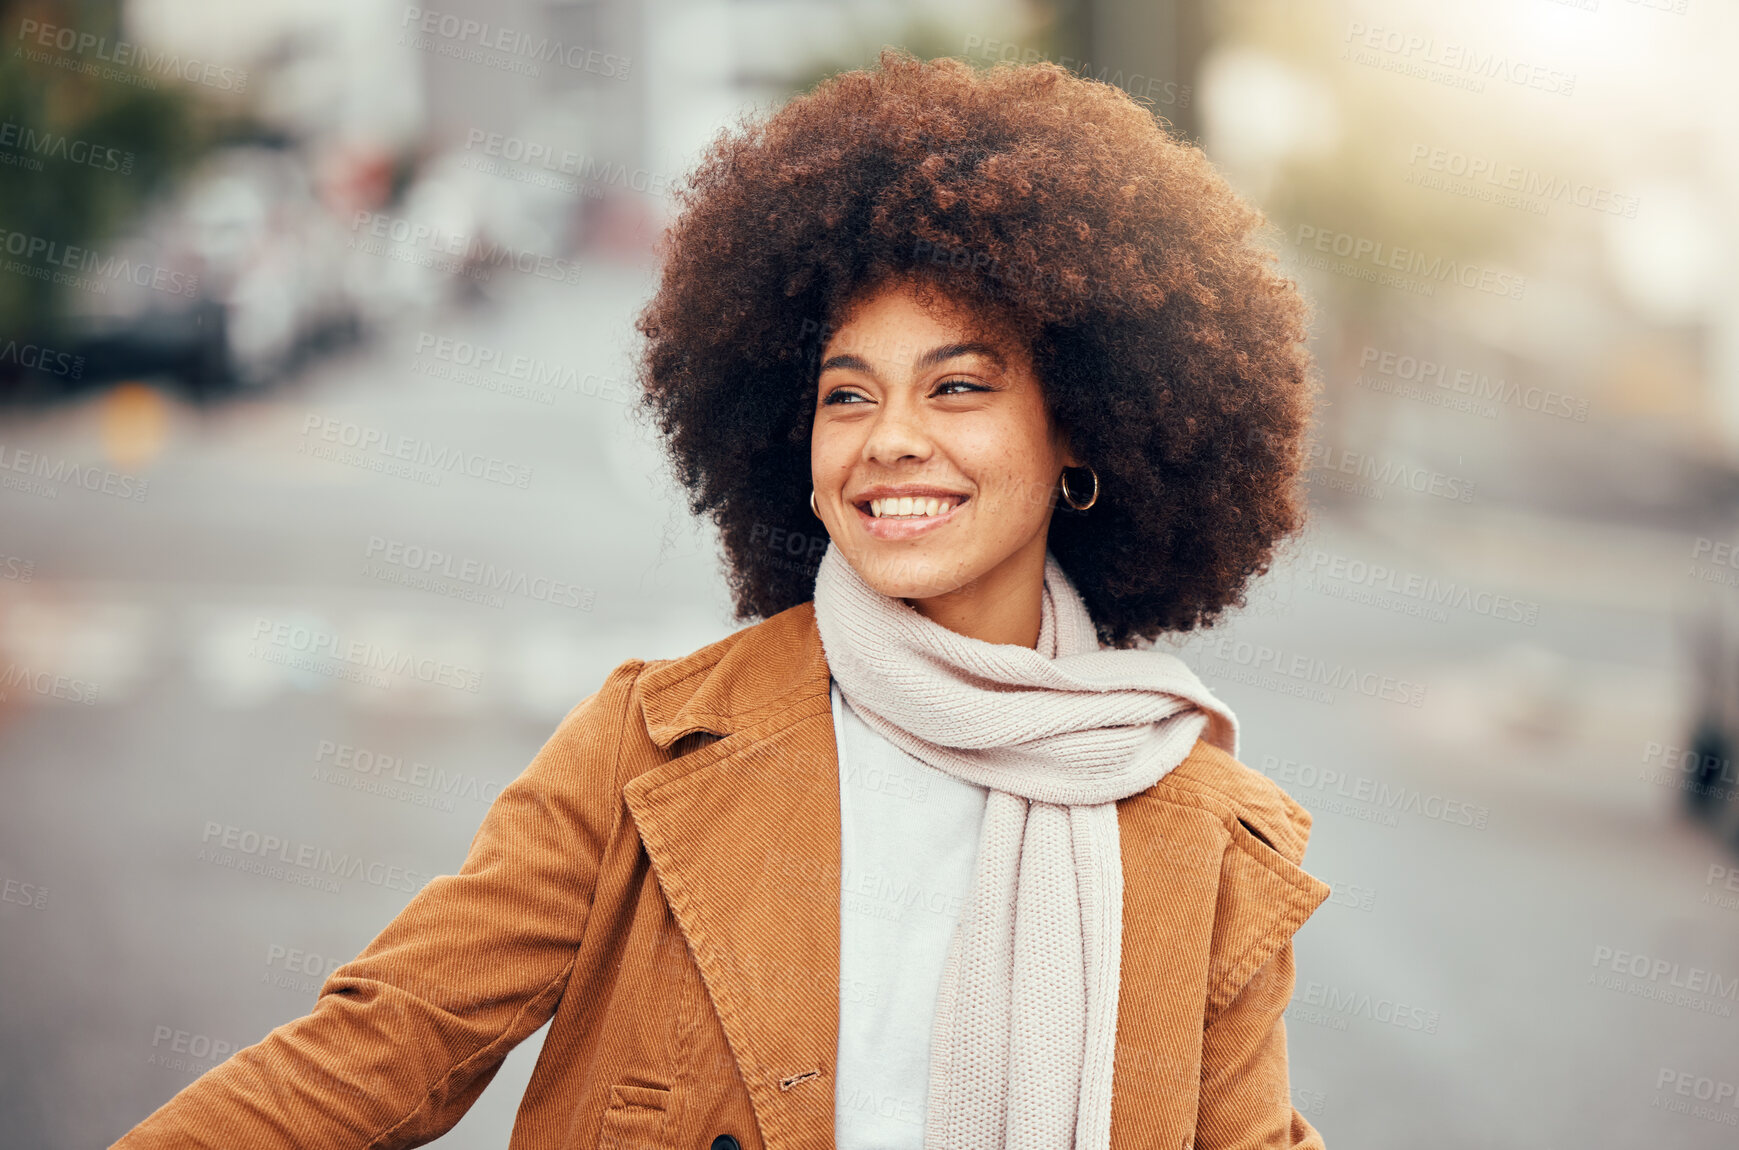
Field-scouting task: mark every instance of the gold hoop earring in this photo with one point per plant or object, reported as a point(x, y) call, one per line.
point(812, 510)
point(1069, 496)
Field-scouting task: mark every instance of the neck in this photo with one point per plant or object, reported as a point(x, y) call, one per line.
point(1002, 606)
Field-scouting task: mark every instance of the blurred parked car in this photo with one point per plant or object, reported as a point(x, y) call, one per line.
point(236, 280)
point(1707, 765)
point(259, 263)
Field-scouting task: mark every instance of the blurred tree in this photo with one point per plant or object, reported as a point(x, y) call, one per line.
point(85, 143)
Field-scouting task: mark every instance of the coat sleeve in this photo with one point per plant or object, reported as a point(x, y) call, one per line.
point(404, 1037)
point(1245, 1096)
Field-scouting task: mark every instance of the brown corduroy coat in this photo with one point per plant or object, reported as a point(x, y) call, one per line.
point(664, 879)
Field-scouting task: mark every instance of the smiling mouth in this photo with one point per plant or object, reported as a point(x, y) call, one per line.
point(911, 507)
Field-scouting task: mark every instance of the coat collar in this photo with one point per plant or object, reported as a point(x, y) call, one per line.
point(727, 686)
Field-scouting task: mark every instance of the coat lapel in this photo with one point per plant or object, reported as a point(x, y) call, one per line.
point(744, 837)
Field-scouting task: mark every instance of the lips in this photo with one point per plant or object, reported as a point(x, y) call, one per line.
point(908, 506)
point(896, 513)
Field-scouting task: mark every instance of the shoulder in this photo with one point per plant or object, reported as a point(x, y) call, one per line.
point(718, 688)
point(743, 679)
point(643, 714)
point(1262, 894)
point(1210, 778)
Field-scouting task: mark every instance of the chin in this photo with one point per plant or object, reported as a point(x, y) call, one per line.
point(912, 575)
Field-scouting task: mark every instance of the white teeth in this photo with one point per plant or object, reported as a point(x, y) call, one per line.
point(907, 507)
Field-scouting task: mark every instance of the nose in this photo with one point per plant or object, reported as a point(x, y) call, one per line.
point(897, 434)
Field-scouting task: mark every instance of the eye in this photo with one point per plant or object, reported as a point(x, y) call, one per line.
point(967, 384)
point(843, 395)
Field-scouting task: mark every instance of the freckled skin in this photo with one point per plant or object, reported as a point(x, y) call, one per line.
point(966, 424)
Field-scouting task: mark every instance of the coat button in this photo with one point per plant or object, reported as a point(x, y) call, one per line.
point(726, 1142)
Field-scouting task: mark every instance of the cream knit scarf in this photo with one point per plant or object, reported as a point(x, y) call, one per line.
point(1026, 1021)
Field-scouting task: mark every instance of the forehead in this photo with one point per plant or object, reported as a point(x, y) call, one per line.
point(898, 322)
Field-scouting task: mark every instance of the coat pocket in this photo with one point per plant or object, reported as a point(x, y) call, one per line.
point(634, 1120)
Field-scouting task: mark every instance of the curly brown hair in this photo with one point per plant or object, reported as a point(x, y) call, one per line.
point(1170, 351)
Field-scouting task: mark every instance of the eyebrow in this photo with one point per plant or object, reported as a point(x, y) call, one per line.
point(930, 358)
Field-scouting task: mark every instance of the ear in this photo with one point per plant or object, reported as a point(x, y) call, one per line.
point(1067, 453)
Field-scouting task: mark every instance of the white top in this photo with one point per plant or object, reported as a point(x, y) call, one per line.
point(908, 845)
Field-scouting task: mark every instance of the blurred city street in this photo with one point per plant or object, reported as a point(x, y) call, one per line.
point(1494, 929)
point(1494, 668)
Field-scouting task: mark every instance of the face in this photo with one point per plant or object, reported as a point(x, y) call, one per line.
point(934, 461)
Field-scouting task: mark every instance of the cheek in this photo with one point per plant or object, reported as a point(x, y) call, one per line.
point(830, 453)
point(1025, 500)
point(1016, 481)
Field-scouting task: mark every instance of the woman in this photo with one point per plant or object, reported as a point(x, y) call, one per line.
point(940, 853)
